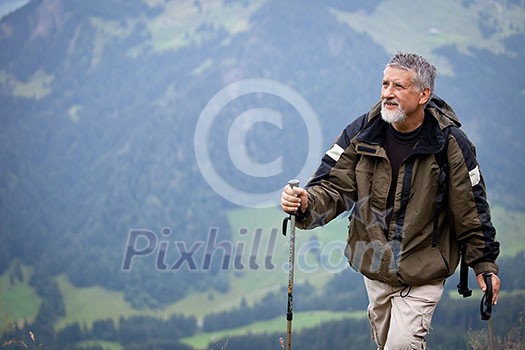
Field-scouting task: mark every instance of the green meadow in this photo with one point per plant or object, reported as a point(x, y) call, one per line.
point(258, 232)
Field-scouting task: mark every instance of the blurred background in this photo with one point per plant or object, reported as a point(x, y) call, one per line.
point(143, 144)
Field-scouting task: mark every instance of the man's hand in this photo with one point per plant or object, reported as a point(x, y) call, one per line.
point(495, 286)
point(294, 198)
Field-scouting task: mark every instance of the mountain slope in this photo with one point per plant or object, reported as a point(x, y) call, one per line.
point(101, 101)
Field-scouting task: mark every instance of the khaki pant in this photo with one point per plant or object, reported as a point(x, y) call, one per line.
point(400, 316)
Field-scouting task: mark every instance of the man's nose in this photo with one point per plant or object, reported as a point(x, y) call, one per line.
point(387, 91)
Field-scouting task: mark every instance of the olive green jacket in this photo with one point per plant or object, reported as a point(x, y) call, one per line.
point(355, 174)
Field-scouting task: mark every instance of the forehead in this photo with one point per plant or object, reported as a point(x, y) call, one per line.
point(398, 74)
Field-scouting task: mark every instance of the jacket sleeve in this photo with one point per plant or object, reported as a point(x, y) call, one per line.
point(331, 189)
point(468, 205)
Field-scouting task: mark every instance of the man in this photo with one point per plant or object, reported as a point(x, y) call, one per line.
point(385, 165)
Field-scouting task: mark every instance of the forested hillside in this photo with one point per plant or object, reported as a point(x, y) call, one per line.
point(126, 146)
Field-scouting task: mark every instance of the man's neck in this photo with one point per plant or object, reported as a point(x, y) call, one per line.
point(411, 122)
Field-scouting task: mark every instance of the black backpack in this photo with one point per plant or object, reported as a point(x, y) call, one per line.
point(442, 161)
point(462, 286)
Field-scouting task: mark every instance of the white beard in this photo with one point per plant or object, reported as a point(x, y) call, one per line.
point(391, 117)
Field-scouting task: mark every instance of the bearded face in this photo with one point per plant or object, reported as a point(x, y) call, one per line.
point(391, 111)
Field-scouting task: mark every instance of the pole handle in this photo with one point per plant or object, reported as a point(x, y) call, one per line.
point(294, 183)
point(485, 306)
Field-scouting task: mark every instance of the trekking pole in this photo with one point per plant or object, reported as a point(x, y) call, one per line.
point(486, 309)
point(291, 258)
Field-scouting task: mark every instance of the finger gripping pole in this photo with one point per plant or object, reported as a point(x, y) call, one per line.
point(292, 183)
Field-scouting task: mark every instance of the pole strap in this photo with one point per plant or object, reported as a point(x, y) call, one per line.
point(285, 225)
point(463, 288)
point(485, 306)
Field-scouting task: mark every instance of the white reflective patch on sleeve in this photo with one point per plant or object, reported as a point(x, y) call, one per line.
point(335, 152)
point(475, 176)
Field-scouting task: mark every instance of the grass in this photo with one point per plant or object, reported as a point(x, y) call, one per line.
point(302, 320)
point(104, 345)
point(452, 24)
point(184, 23)
point(37, 87)
point(106, 32)
point(18, 300)
point(86, 305)
point(510, 230)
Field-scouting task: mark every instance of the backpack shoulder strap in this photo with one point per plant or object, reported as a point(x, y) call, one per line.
point(442, 161)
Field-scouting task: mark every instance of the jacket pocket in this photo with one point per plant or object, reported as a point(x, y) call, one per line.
point(422, 267)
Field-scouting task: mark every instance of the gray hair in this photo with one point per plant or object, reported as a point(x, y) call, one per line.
point(425, 72)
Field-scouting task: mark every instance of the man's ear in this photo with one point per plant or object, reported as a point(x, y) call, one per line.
point(424, 96)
